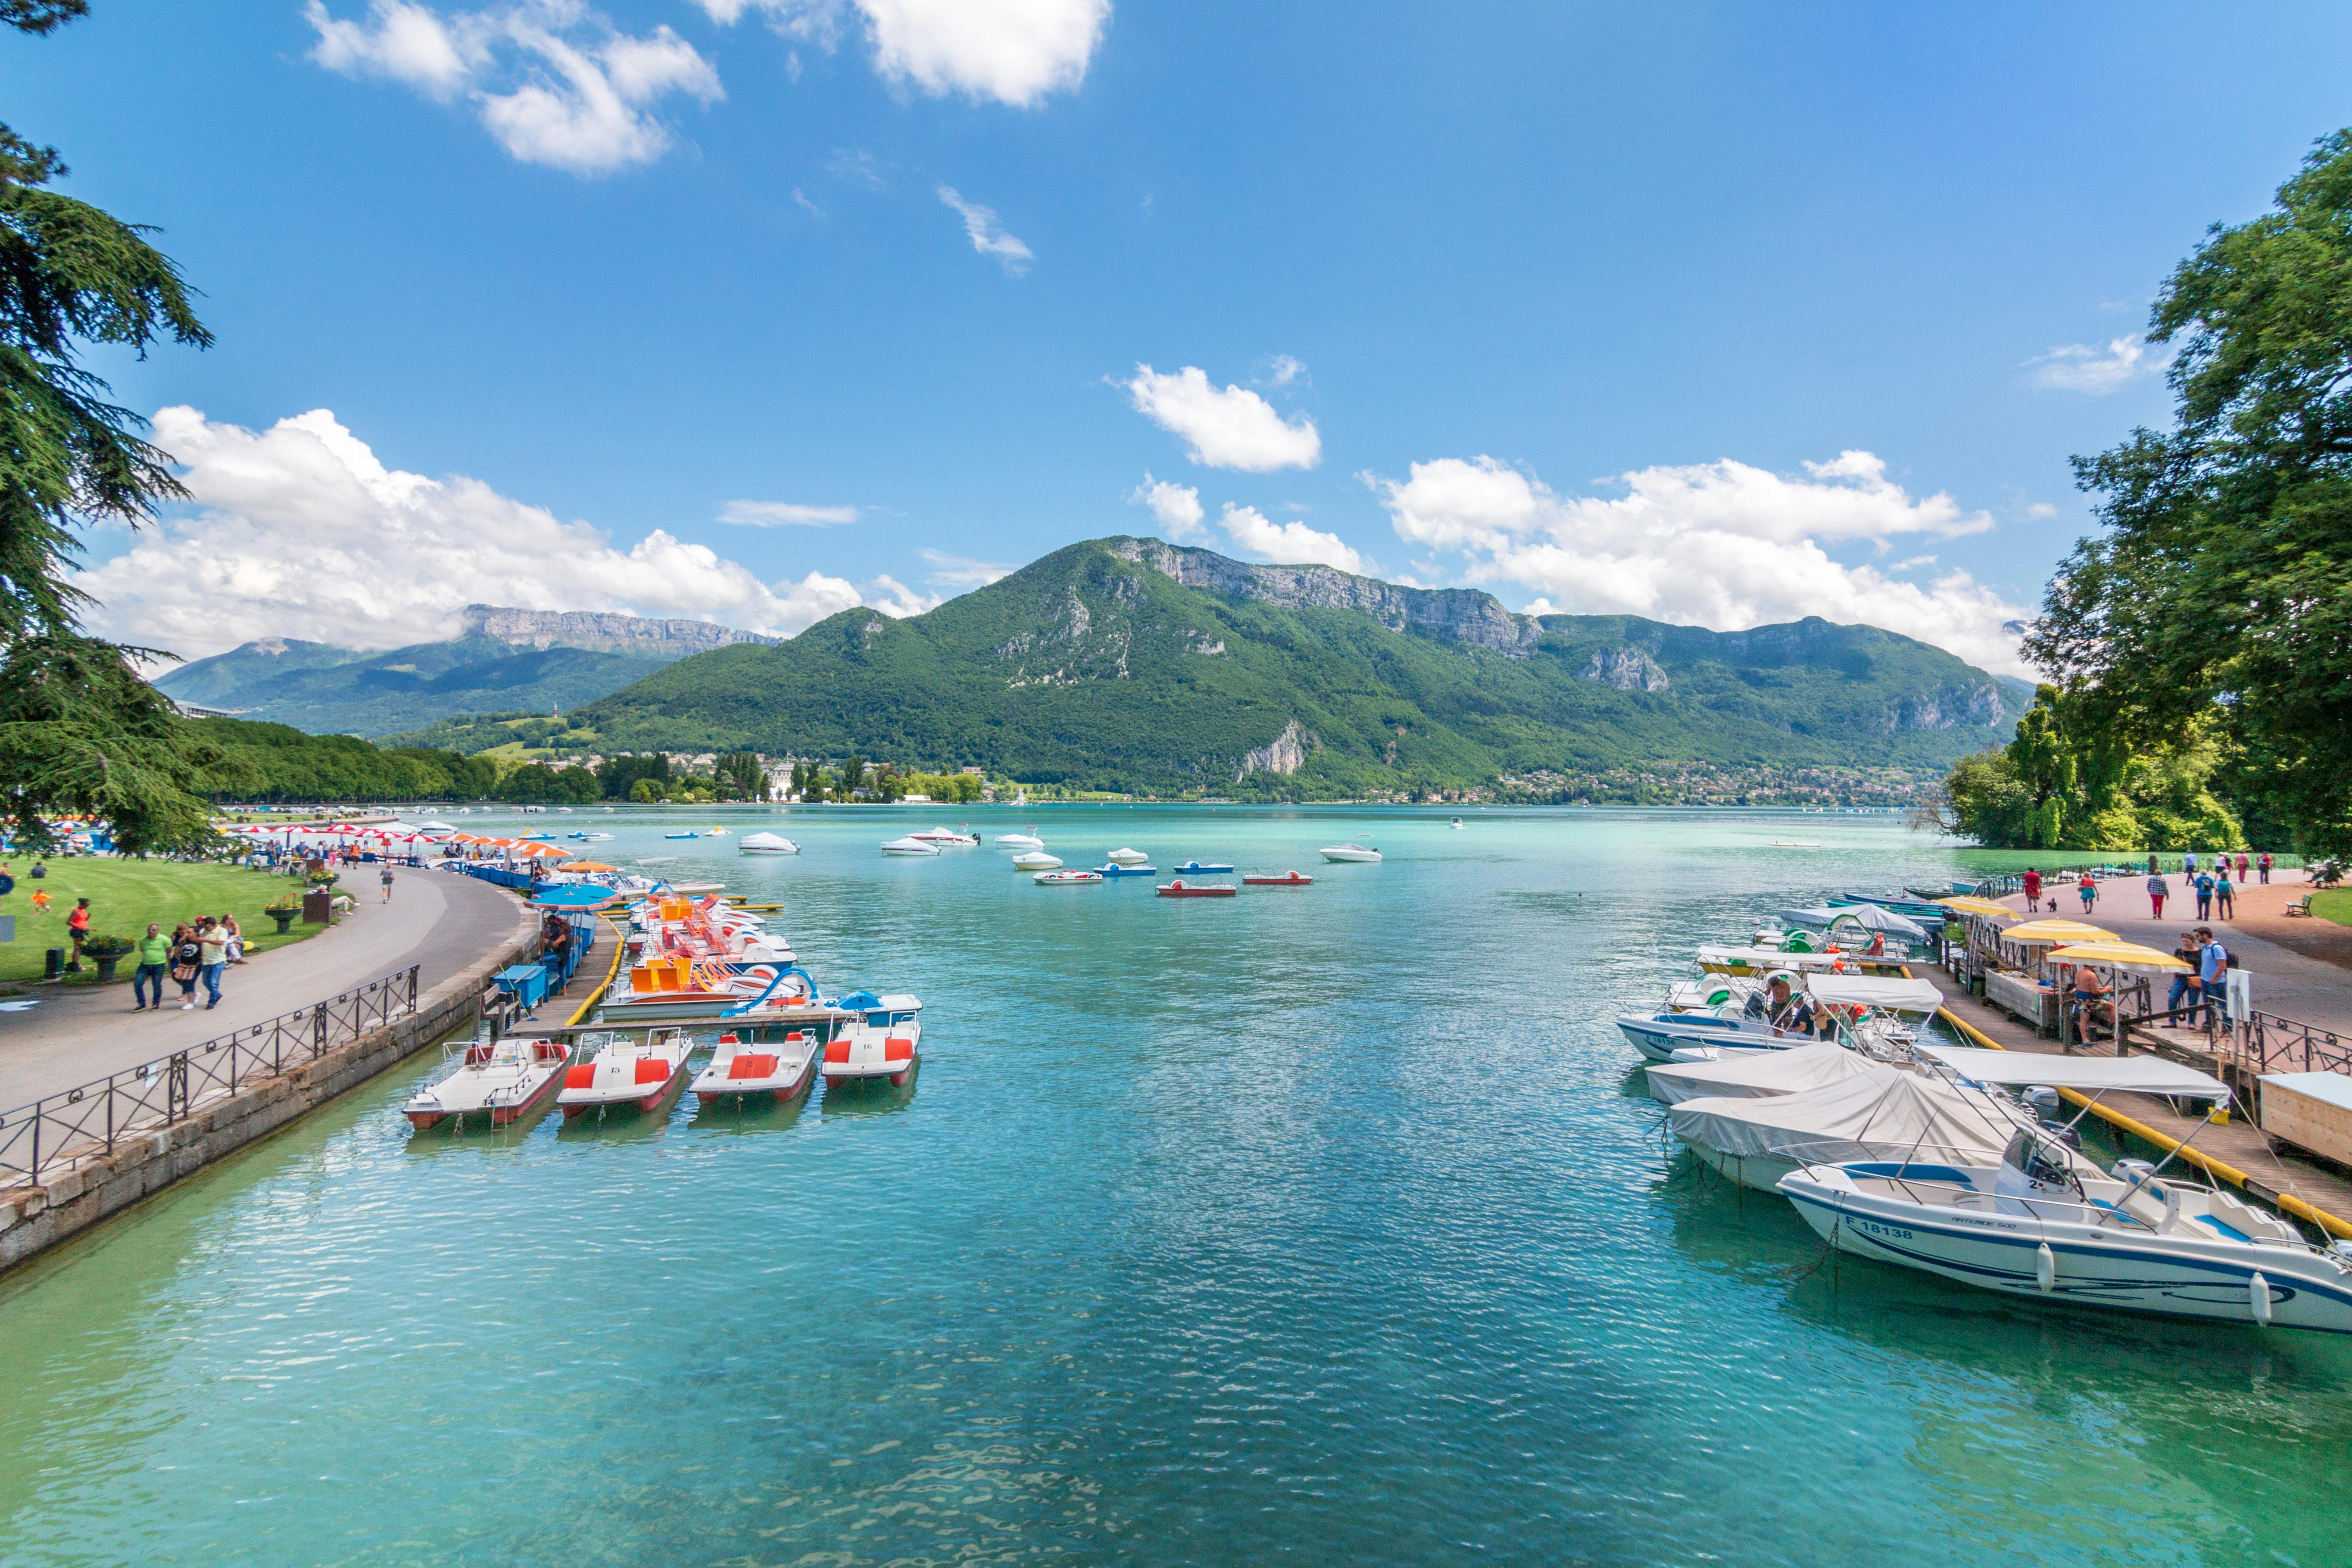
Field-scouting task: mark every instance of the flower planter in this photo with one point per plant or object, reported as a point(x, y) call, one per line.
point(284, 919)
point(106, 967)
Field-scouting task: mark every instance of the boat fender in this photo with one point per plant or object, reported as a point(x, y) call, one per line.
point(2258, 1297)
point(2045, 1268)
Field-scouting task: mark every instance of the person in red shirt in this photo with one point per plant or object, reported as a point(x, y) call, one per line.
point(78, 923)
point(2032, 889)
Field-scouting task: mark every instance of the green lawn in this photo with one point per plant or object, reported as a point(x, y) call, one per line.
point(2335, 904)
point(124, 895)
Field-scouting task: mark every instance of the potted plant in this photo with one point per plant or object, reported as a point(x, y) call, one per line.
point(108, 951)
point(284, 914)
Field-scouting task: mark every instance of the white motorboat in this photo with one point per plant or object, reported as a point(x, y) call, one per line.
point(2036, 1220)
point(946, 838)
point(766, 844)
point(1020, 840)
point(913, 847)
point(1686, 1037)
point(625, 1071)
point(1882, 1113)
point(1355, 851)
point(1124, 857)
point(504, 1079)
point(783, 1070)
point(886, 1042)
point(1036, 860)
point(1455, 823)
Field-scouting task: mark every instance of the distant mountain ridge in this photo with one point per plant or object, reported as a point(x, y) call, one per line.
point(501, 659)
point(1128, 663)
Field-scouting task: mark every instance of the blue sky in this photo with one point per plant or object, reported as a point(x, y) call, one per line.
point(1715, 313)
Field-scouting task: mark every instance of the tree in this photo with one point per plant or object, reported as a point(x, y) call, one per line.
point(740, 774)
point(853, 777)
point(2222, 589)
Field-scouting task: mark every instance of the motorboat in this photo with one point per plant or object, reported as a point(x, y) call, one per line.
point(1354, 851)
point(1455, 823)
point(783, 1070)
point(625, 1071)
point(1020, 841)
point(1065, 878)
point(1749, 960)
point(504, 1079)
point(1123, 857)
point(883, 1042)
point(912, 846)
point(946, 838)
point(1287, 879)
point(1036, 860)
point(1925, 912)
point(1686, 1037)
point(1874, 920)
point(1196, 868)
point(1885, 1112)
point(2039, 1220)
point(766, 844)
point(1180, 888)
point(1113, 868)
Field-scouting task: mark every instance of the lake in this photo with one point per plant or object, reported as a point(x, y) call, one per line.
point(1329, 1223)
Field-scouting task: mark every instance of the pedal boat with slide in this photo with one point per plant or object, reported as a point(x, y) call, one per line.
point(783, 1070)
point(625, 1070)
point(884, 1041)
point(503, 1079)
point(2037, 1223)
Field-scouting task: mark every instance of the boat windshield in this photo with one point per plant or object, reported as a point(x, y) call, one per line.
point(2040, 1162)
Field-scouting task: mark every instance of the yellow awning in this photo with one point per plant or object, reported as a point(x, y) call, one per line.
point(2119, 954)
point(2055, 932)
point(1969, 904)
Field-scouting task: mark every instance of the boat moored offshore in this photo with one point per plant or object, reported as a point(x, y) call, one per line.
point(1356, 851)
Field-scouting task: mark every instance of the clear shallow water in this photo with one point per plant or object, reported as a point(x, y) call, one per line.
point(1324, 1223)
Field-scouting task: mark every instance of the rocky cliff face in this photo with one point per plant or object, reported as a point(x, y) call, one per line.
point(1950, 709)
point(599, 632)
point(1461, 614)
point(1627, 669)
point(1285, 753)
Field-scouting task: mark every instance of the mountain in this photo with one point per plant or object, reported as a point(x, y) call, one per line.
point(500, 659)
point(1133, 664)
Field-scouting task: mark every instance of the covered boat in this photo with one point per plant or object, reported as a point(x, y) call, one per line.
point(1756, 1076)
point(1882, 1113)
point(783, 1070)
point(1036, 860)
point(946, 838)
point(1124, 857)
point(625, 1071)
point(766, 844)
point(884, 1041)
point(909, 846)
point(1028, 840)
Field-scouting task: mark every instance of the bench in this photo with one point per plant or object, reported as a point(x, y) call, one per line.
point(2301, 906)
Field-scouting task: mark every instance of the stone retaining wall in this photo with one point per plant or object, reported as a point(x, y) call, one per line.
point(33, 1219)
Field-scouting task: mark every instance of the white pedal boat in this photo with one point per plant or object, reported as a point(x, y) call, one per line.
point(784, 1069)
point(505, 1079)
point(1065, 878)
point(886, 1042)
point(637, 1071)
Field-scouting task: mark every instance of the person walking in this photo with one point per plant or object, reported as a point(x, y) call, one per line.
point(2186, 985)
point(2265, 863)
point(153, 952)
point(2156, 888)
point(2212, 972)
point(187, 961)
point(2032, 889)
point(214, 942)
point(2223, 907)
point(78, 927)
point(387, 881)
point(2089, 890)
point(2241, 868)
point(2204, 895)
point(2189, 863)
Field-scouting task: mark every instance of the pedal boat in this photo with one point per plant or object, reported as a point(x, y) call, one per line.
point(1065, 878)
point(1117, 869)
point(1181, 888)
point(785, 1070)
point(884, 1042)
point(626, 1071)
point(1287, 879)
point(505, 1081)
point(1195, 868)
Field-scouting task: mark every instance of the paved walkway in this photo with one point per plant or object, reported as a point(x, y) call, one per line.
point(438, 920)
point(2289, 983)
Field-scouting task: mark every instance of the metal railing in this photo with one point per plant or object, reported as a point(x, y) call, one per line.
point(2264, 1042)
point(36, 1139)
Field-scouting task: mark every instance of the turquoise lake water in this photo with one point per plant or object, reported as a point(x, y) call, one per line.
point(1324, 1224)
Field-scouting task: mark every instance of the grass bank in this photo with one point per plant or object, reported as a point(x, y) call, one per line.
point(124, 895)
point(2335, 904)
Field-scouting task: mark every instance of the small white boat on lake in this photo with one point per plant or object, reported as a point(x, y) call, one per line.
point(626, 1071)
point(912, 845)
point(783, 1070)
point(886, 1042)
point(766, 844)
point(1036, 860)
point(1065, 878)
point(1124, 857)
point(502, 1081)
point(947, 837)
point(1356, 851)
point(1028, 840)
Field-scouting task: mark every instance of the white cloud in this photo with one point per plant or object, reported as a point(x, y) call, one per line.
point(1015, 51)
point(1288, 543)
point(807, 205)
point(299, 530)
point(551, 80)
point(896, 600)
point(2079, 367)
point(987, 235)
point(961, 574)
point(1282, 370)
point(856, 165)
point(1231, 427)
point(1717, 544)
point(785, 514)
point(1176, 507)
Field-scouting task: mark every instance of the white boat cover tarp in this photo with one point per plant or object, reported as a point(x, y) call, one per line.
point(1892, 993)
point(1773, 958)
point(762, 841)
point(1753, 1077)
point(1870, 917)
point(1884, 1113)
point(2133, 1075)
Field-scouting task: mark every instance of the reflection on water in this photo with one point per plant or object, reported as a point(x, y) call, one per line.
point(1328, 1223)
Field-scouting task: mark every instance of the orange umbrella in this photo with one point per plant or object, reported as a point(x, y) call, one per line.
point(586, 866)
point(537, 852)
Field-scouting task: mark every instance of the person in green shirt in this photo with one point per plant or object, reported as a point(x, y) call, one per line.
point(154, 953)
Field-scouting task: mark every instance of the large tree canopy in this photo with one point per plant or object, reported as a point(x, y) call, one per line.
point(79, 732)
point(2222, 586)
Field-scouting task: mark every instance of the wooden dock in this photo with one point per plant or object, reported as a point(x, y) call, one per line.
point(2238, 1153)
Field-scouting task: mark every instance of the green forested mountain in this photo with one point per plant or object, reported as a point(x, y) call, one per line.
point(527, 659)
point(1135, 665)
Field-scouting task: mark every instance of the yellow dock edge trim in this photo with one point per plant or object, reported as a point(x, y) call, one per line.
point(620, 946)
point(2210, 1166)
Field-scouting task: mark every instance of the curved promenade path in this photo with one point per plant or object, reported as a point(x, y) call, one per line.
point(438, 920)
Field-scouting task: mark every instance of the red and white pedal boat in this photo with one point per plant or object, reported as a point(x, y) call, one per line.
point(1287, 879)
point(886, 1042)
point(504, 1079)
point(784, 1069)
point(1181, 888)
point(638, 1071)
